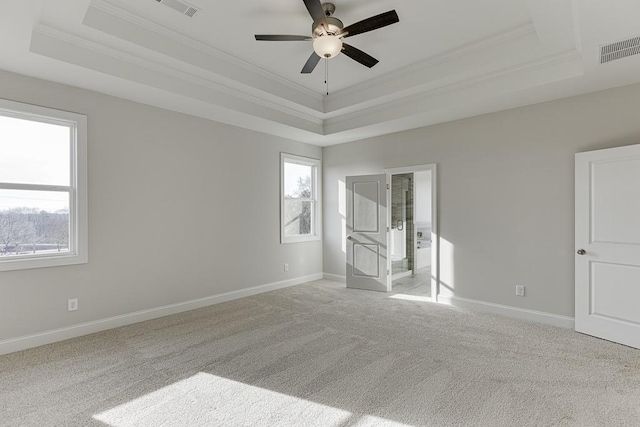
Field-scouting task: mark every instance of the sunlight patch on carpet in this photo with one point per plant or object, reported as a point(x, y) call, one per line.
point(206, 399)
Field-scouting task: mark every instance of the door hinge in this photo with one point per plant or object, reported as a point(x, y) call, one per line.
point(388, 187)
point(387, 272)
point(387, 229)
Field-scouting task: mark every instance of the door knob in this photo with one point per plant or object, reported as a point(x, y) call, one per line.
point(349, 238)
point(581, 252)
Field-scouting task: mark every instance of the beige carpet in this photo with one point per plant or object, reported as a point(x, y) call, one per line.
point(322, 355)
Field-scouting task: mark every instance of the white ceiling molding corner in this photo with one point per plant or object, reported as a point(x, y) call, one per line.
point(554, 22)
point(559, 67)
point(447, 71)
point(432, 72)
point(66, 47)
point(118, 22)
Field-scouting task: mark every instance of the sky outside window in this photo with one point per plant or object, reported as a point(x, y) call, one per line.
point(34, 153)
point(296, 179)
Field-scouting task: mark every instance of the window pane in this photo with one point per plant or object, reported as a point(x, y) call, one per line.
point(297, 217)
point(297, 180)
point(33, 222)
point(34, 153)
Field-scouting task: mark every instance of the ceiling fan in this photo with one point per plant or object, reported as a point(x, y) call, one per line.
point(327, 33)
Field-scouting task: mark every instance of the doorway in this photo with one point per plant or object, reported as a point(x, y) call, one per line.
point(401, 236)
point(412, 219)
point(392, 236)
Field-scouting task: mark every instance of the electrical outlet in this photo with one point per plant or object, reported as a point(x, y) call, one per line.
point(519, 290)
point(72, 304)
point(286, 267)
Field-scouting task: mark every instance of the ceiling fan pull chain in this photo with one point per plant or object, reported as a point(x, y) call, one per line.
point(326, 73)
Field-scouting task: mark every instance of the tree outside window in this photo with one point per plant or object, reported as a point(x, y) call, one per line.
point(299, 200)
point(43, 206)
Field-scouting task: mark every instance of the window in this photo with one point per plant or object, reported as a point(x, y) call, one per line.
point(300, 206)
point(43, 199)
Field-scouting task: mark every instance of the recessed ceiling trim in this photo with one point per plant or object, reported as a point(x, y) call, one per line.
point(390, 84)
point(106, 17)
point(203, 56)
point(553, 68)
point(448, 56)
point(383, 89)
point(60, 45)
point(168, 79)
point(443, 86)
point(554, 22)
point(56, 44)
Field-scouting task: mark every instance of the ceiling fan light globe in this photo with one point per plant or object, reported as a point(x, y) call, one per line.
point(327, 46)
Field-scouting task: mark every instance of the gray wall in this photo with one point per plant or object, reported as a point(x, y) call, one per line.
point(506, 192)
point(179, 208)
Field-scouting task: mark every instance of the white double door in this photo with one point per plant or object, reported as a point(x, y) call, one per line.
point(607, 260)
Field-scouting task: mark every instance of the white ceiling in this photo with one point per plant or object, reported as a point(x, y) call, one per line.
point(230, 26)
point(444, 60)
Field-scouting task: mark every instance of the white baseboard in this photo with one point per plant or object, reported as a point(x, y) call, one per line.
point(505, 310)
point(47, 337)
point(335, 277)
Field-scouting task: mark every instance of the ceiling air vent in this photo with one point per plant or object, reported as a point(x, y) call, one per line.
point(182, 7)
point(620, 50)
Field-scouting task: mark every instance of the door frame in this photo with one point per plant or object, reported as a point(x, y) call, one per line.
point(435, 232)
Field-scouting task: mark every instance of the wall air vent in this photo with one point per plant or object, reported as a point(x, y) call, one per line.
point(620, 50)
point(180, 6)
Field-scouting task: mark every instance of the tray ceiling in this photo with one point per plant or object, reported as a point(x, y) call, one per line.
point(443, 61)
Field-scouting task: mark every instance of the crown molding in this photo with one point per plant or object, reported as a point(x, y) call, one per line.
point(386, 86)
point(555, 22)
point(101, 14)
point(568, 63)
point(221, 95)
point(333, 130)
point(209, 83)
point(370, 92)
point(442, 58)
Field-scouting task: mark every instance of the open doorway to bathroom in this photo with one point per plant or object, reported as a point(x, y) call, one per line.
point(411, 231)
point(401, 236)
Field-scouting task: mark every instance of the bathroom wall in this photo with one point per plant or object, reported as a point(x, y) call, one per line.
point(422, 182)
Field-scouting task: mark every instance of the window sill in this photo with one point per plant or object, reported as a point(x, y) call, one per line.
point(42, 262)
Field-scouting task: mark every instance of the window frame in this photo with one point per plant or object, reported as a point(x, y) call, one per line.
point(77, 188)
point(315, 199)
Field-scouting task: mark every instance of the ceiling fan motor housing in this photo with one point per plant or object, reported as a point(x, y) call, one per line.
point(334, 26)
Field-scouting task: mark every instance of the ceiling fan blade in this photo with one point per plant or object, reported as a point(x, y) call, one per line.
point(281, 38)
point(358, 55)
point(315, 10)
point(311, 63)
point(371, 24)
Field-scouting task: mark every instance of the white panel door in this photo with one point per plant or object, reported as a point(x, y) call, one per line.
point(608, 244)
point(367, 232)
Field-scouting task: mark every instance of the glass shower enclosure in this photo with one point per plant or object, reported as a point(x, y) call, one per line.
point(402, 223)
